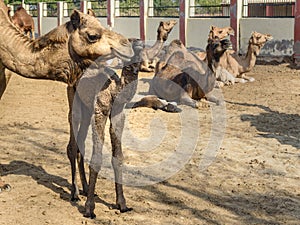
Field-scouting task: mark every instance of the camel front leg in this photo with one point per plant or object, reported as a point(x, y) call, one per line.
point(85, 121)
point(98, 128)
point(116, 130)
point(72, 148)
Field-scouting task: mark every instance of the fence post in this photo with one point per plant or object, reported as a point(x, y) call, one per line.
point(111, 12)
point(60, 13)
point(83, 6)
point(143, 17)
point(183, 14)
point(297, 33)
point(236, 7)
point(40, 9)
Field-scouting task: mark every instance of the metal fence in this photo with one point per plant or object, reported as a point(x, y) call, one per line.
point(170, 8)
point(99, 7)
point(268, 8)
point(128, 8)
point(164, 9)
point(212, 8)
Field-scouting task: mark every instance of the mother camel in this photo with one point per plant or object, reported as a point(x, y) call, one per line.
point(61, 55)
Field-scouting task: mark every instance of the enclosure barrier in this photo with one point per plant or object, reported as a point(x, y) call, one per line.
point(280, 18)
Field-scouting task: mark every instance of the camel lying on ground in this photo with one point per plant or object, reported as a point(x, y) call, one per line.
point(23, 21)
point(100, 95)
point(185, 78)
point(232, 63)
point(149, 54)
point(62, 55)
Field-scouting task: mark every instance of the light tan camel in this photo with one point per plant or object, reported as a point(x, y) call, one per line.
point(23, 21)
point(185, 78)
point(101, 94)
point(238, 66)
point(149, 54)
point(62, 55)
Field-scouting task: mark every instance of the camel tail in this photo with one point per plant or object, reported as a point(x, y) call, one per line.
point(155, 103)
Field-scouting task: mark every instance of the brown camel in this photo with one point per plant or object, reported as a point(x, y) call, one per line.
point(149, 54)
point(23, 21)
point(62, 55)
point(238, 66)
point(101, 94)
point(185, 78)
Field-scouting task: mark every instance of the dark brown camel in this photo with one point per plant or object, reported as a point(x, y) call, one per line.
point(23, 21)
point(185, 78)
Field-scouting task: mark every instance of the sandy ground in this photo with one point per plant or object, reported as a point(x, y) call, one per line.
point(253, 177)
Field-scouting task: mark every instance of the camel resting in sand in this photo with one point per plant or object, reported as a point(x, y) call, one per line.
point(185, 78)
point(149, 55)
point(232, 63)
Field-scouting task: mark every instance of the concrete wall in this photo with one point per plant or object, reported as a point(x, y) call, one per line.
point(282, 30)
point(129, 27)
point(197, 30)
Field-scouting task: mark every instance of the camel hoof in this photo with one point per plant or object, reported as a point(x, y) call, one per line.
point(126, 210)
point(251, 79)
point(171, 108)
point(75, 199)
point(90, 215)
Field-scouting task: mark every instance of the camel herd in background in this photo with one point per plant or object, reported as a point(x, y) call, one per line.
point(75, 52)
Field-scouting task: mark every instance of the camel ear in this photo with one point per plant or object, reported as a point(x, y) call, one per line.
point(75, 19)
point(212, 27)
point(91, 12)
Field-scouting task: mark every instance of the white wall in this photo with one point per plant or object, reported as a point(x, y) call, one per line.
point(198, 29)
point(282, 30)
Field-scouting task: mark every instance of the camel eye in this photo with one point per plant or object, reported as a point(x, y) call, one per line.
point(93, 37)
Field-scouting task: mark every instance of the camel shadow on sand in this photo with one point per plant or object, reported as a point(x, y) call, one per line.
point(55, 183)
point(244, 207)
point(273, 124)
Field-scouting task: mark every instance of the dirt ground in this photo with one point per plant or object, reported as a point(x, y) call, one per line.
point(252, 178)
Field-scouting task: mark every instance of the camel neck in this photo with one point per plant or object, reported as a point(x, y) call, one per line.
point(250, 58)
point(37, 59)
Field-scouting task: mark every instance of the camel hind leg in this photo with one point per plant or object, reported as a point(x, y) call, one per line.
point(98, 128)
point(116, 130)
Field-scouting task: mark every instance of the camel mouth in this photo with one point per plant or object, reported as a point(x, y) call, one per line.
point(124, 56)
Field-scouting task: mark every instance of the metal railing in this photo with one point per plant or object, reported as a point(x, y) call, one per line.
point(164, 9)
point(99, 7)
point(212, 8)
point(128, 8)
point(268, 8)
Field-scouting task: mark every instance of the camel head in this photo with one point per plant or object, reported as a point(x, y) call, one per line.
point(215, 49)
point(164, 29)
point(90, 40)
point(257, 41)
point(221, 33)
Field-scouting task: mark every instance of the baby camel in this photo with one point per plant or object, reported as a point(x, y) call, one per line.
point(101, 94)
